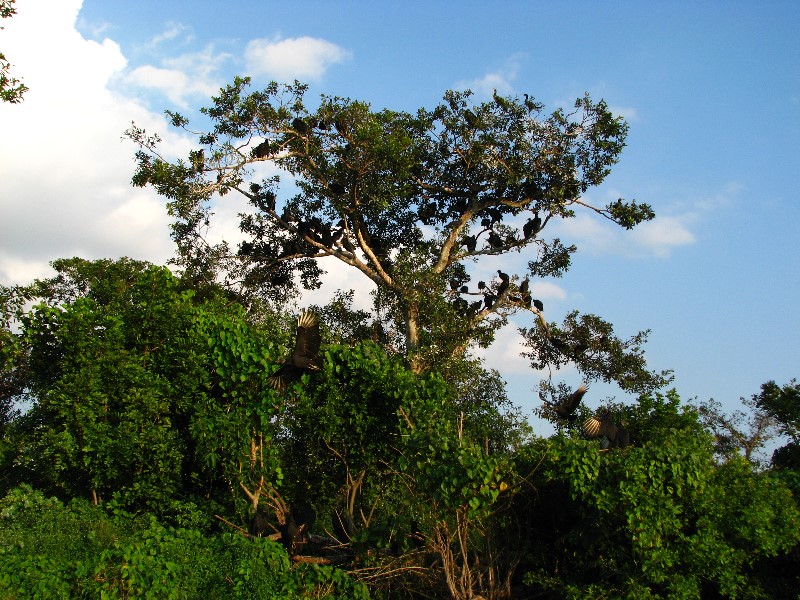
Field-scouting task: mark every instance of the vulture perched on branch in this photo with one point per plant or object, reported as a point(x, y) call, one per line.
point(304, 357)
point(602, 426)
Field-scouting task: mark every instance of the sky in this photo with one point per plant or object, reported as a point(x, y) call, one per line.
point(711, 92)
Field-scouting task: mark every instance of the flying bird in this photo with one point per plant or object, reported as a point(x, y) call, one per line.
point(304, 357)
point(566, 408)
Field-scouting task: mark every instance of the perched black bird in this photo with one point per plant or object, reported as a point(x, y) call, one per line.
point(539, 305)
point(470, 118)
point(262, 150)
point(495, 241)
point(523, 287)
point(481, 285)
point(300, 126)
point(489, 300)
point(470, 243)
point(463, 289)
point(532, 227)
point(504, 280)
point(304, 357)
point(566, 408)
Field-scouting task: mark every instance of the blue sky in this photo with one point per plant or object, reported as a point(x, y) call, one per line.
point(711, 92)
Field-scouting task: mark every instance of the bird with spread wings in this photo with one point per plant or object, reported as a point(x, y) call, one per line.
point(304, 357)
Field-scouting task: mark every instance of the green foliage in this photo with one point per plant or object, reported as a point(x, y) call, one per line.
point(48, 550)
point(662, 520)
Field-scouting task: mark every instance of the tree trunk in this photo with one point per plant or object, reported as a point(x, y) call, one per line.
point(412, 338)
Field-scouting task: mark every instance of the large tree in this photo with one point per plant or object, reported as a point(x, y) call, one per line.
point(412, 201)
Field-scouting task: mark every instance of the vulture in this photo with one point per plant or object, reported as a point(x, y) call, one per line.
point(262, 150)
point(304, 357)
point(504, 280)
point(602, 426)
point(470, 242)
point(470, 118)
point(539, 305)
point(531, 227)
point(300, 126)
point(566, 408)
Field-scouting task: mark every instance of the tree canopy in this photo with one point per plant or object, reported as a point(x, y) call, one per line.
point(412, 201)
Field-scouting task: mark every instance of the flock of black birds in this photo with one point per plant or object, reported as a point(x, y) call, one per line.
point(492, 295)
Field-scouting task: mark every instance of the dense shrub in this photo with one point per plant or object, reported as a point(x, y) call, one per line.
point(49, 550)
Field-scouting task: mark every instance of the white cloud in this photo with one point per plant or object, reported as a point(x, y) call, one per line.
point(597, 235)
point(504, 353)
point(293, 58)
point(183, 77)
point(662, 234)
point(173, 31)
point(66, 172)
point(500, 80)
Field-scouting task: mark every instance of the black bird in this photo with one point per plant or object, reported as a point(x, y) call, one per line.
point(304, 357)
point(262, 150)
point(489, 300)
point(300, 126)
point(495, 241)
point(532, 227)
point(481, 285)
point(470, 118)
point(566, 408)
point(470, 242)
point(523, 287)
point(464, 289)
point(504, 280)
point(539, 305)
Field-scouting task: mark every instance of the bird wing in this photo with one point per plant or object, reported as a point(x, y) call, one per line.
point(307, 342)
point(284, 377)
point(592, 428)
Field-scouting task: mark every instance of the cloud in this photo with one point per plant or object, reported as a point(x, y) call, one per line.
point(293, 58)
point(183, 77)
point(173, 31)
point(66, 188)
point(500, 79)
point(504, 353)
point(656, 238)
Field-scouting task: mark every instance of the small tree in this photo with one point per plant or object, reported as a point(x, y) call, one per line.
point(411, 201)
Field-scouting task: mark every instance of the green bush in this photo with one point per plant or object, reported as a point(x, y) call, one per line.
point(49, 550)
